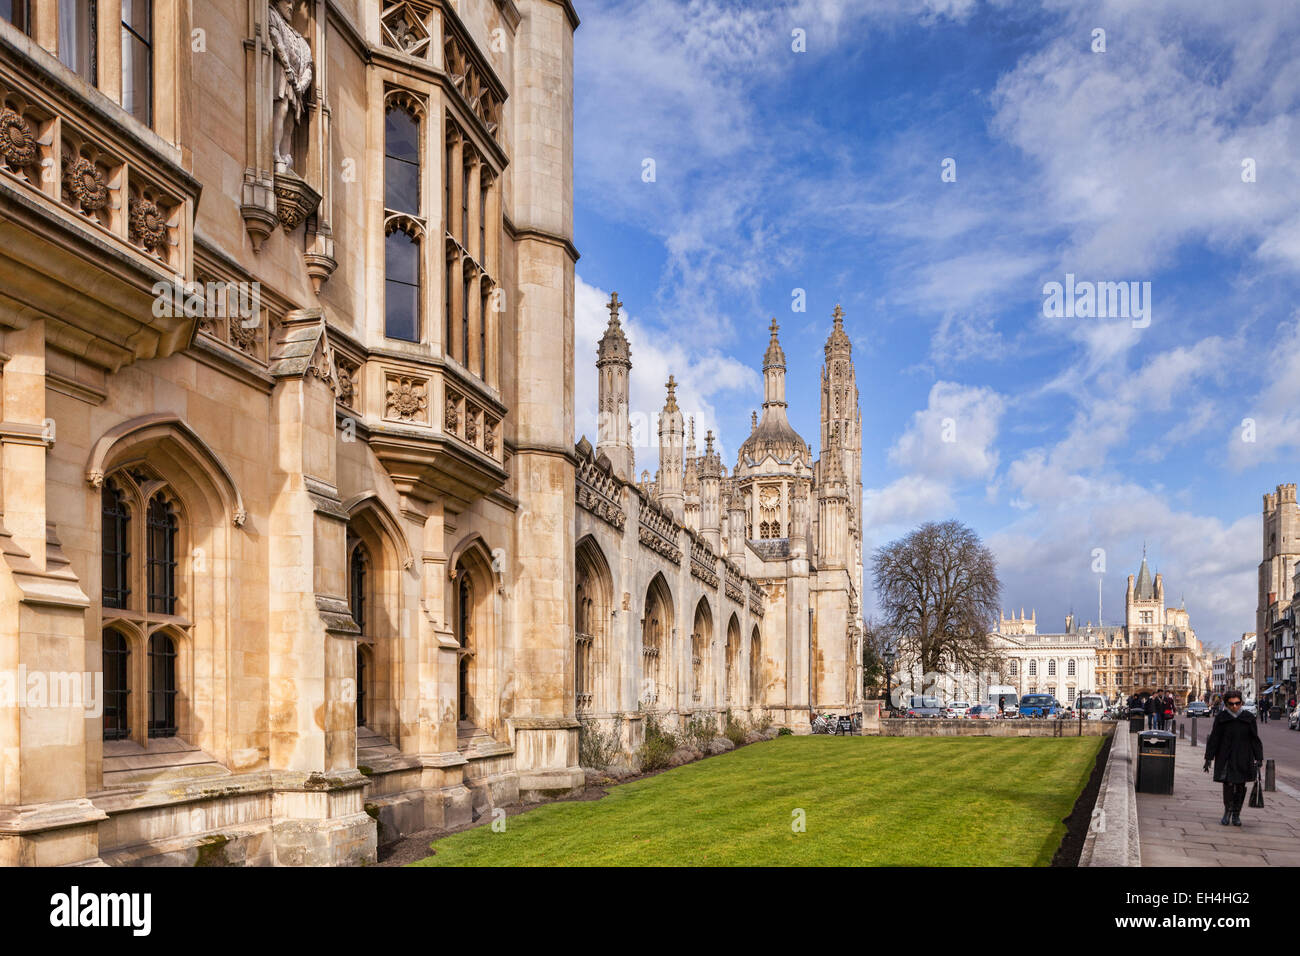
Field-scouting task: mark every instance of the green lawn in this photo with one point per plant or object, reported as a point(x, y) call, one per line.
point(869, 801)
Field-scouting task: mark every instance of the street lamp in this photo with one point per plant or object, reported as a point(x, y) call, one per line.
point(889, 673)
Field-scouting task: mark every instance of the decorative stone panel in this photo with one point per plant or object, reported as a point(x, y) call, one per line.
point(704, 563)
point(406, 399)
point(658, 532)
point(598, 490)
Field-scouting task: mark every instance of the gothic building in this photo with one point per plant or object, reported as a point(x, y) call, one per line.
point(701, 591)
point(286, 457)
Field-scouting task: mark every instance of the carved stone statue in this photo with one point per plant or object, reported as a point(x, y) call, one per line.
point(293, 76)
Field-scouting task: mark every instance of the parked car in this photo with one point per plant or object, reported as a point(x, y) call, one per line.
point(958, 708)
point(1293, 719)
point(924, 707)
point(1197, 708)
point(1039, 705)
point(982, 712)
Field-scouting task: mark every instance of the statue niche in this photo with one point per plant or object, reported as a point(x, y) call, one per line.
point(292, 79)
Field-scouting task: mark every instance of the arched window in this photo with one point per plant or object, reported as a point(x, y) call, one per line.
point(143, 700)
point(701, 640)
point(117, 547)
point(464, 616)
point(357, 567)
point(137, 59)
point(1015, 668)
point(755, 670)
point(1069, 668)
point(1051, 668)
point(402, 285)
point(363, 678)
point(116, 686)
point(161, 556)
point(162, 686)
point(584, 636)
point(404, 218)
point(1033, 668)
point(401, 160)
point(655, 638)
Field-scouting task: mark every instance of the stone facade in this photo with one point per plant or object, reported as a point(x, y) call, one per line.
point(1275, 614)
point(1155, 649)
point(1063, 665)
point(703, 591)
point(286, 454)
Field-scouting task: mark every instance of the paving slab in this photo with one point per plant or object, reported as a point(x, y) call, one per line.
point(1182, 828)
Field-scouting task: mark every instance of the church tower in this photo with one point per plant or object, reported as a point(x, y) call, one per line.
point(613, 368)
point(672, 498)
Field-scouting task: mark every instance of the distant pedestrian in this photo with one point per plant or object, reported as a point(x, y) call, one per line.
point(1262, 708)
point(1169, 710)
point(1237, 754)
point(1149, 708)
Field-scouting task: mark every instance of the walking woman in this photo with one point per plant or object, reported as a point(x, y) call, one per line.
point(1236, 753)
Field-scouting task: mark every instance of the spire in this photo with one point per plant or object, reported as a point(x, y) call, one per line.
point(774, 355)
point(838, 344)
point(753, 420)
point(671, 385)
point(613, 345)
point(1144, 590)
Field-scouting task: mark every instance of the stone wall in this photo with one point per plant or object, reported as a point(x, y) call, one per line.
point(925, 727)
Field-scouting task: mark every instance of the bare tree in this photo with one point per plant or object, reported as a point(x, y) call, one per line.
point(938, 590)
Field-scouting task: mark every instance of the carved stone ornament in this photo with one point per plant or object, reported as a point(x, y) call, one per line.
point(85, 181)
point(406, 398)
point(451, 417)
point(148, 226)
point(294, 200)
point(17, 141)
point(245, 336)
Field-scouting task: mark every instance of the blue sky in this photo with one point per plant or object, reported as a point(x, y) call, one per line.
point(777, 170)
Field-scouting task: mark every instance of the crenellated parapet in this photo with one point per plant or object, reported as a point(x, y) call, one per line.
point(598, 489)
point(704, 563)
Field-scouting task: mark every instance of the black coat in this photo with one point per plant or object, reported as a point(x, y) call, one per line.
point(1234, 747)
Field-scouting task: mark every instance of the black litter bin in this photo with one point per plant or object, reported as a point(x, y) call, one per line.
point(1136, 724)
point(1155, 770)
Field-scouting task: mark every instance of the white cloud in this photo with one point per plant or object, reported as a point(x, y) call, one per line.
point(952, 438)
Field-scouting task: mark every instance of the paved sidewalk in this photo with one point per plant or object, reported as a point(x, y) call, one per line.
point(1183, 829)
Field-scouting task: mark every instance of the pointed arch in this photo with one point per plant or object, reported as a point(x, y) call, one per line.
point(755, 669)
point(593, 603)
point(370, 507)
point(657, 644)
point(166, 438)
point(701, 651)
point(472, 609)
point(731, 662)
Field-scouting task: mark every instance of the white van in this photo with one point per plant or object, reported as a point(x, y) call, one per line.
point(1091, 706)
point(1005, 698)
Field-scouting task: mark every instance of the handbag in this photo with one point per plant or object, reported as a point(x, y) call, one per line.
point(1256, 793)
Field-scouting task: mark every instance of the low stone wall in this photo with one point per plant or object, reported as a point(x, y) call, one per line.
point(1032, 727)
point(1113, 832)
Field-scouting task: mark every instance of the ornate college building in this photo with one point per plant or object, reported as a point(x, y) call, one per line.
point(296, 551)
point(701, 592)
point(1155, 649)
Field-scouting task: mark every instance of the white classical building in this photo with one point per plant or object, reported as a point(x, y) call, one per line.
point(1064, 665)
